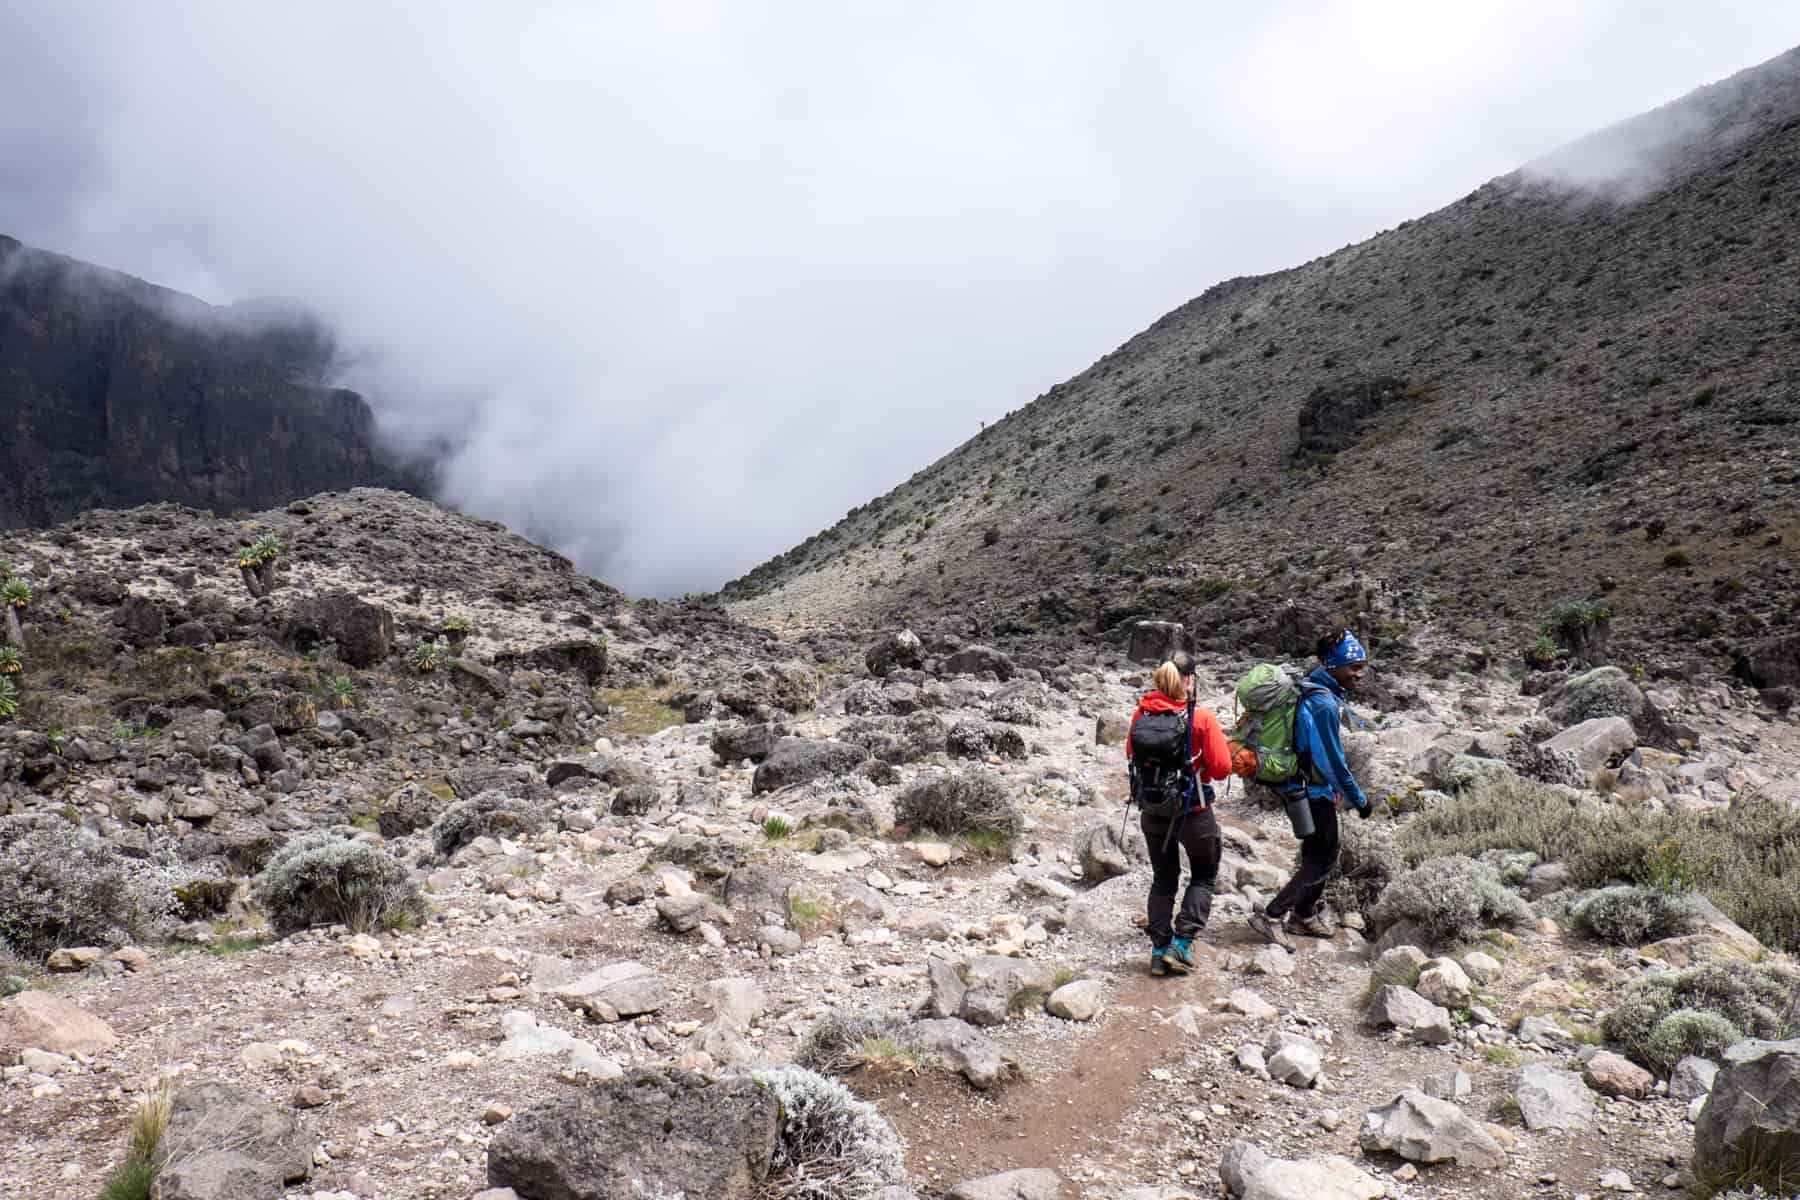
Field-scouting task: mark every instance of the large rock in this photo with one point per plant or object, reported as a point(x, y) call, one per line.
point(1445, 983)
point(1693, 1077)
point(984, 1062)
point(264, 1142)
point(585, 657)
point(615, 991)
point(1549, 1098)
point(364, 632)
point(1597, 741)
point(1156, 642)
point(39, 1020)
point(1615, 1075)
point(1404, 1009)
point(1026, 1183)
point(1332, 1177)
point(1106, 854)
point(1422, 1129)
point(797, 760)
point(650, 1133)
point(1753, 1113)
point(218, 1175)
point(974, 660)
point(1081, 1000)
point(1602, 692)
point(1000, 987)
point(1294, 1060)
point(900, 651)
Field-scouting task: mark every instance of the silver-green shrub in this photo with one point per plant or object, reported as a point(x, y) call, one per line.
point(1631, 916)
point(62, 886)
point(328, 879)
point(1664, 1016)
point(493, 813)
point(831, 1146)
point(834, 1043)
point(1450, 899)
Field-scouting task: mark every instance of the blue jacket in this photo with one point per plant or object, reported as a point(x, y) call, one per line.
point(1317, 738)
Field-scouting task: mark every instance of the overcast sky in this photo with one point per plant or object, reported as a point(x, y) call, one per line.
point(685, 281)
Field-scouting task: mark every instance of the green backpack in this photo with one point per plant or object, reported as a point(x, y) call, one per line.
point(1270, 700)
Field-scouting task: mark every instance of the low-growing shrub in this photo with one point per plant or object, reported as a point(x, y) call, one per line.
point(492, 813)
point(1665, 1016)
point(1628, 915)
point(831, 1145)
point(61, 886)
point(1367, 863)
point(326, 879)
point(964, 802)
point(1743, 858)
point(1450, 899)
point(834, 1044)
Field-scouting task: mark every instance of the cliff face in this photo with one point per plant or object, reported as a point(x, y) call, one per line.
point(115, 392)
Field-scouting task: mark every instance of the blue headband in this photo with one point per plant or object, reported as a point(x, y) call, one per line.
point(1346, 652)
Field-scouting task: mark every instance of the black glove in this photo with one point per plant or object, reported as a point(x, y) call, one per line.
point(1366, 811)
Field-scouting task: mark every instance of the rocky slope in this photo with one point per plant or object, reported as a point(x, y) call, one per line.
point(115, 392)
point(658, 847)
point(1578, 381)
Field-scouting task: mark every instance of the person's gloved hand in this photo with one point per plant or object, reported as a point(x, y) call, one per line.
point(1366, 811)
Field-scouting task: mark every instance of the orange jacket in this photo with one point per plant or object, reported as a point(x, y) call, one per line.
point(1214, 759)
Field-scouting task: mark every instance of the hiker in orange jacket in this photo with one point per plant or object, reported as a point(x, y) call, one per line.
point(1203, 756)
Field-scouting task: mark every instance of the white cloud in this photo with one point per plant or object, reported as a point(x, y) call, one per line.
point(684, 282)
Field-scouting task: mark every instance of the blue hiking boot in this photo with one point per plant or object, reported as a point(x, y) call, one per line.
point(1159, 962)
point(1181, 951)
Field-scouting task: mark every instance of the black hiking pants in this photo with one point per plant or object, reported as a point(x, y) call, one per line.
point(1318, 855)
point(1199, 836)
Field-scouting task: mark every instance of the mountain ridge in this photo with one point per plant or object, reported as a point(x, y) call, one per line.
point(115, 391)
point(1531, 395)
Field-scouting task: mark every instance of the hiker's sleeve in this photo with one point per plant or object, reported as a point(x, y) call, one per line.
point(1328, 759)
point(1134, 716)
point(1215, 755)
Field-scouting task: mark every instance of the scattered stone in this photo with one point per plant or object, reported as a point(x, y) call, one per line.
point(1294, 1060)
point(1443, 982)
point(1248, 1003)
point(1421, 1128)
point(648, 1133)
point(1028, 1183)
point(964, 1048)
point(48, 1022)
point(1549, 1098)
point(1448, 1085)
point(1405, 1010)
point(1692, 1077)
point(1081, 1000)
point(251, 1147)
point(70, 959)
point(615, 991)
point(1614, 1075)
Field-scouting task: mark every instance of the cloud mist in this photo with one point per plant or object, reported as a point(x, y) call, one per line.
point(678, 284)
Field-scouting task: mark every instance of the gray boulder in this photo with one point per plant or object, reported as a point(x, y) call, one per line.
point(1594, 742)
point(1105, 855)
point(1155, 642)
point(999, 987)
point(974, 660)
point(899, 651)
point(963, 1048)
point(797, 760)
point(1692, 1077)
point(1294, 1060)
point(1549, 1098)
point(734, 743)
point(364, 632)
point(649, 1133)
point(1404, 1009)
point(1027, 1183)
point(1422, 1129)
point(267, 1146)
point(615, 991)
point(1753, 1113)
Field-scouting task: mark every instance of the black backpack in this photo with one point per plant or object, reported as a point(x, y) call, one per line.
point(1162, 768)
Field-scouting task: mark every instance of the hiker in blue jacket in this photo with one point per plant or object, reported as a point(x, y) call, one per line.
point(1325, 774)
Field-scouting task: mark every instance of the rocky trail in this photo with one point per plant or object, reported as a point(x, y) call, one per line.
point(654, 847)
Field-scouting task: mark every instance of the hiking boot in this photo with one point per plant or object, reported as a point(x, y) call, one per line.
point(1159, 962)
point(1314, 926)
point(1270, 930)
point(1181, 951)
